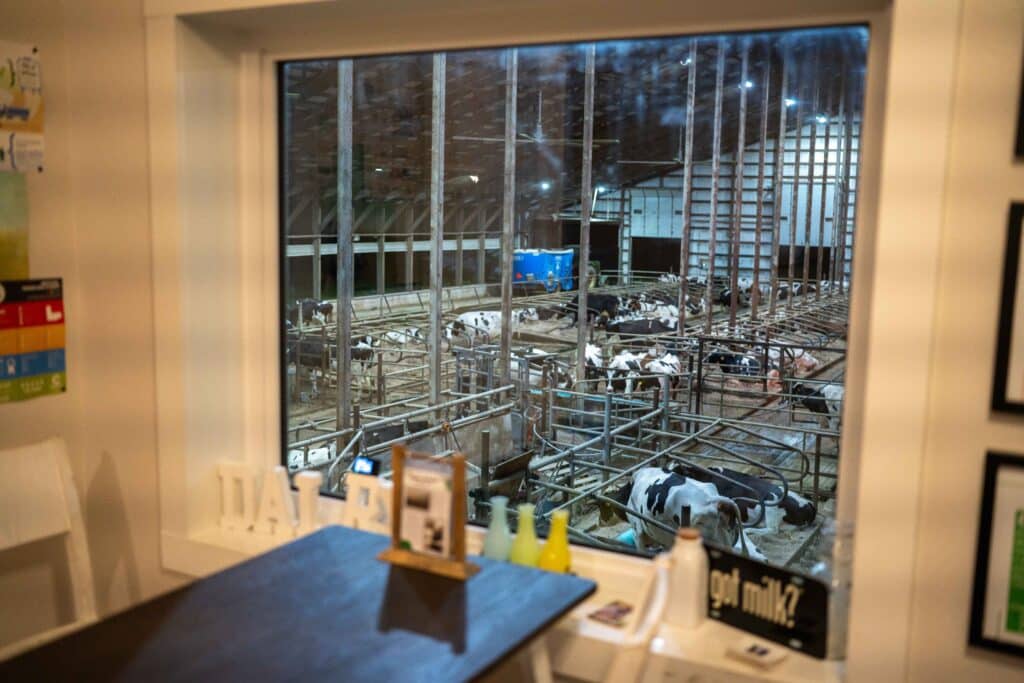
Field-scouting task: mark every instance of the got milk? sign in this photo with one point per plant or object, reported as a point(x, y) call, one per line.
point(775, 604)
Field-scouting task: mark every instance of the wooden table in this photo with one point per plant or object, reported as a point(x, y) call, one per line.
point(321, 608)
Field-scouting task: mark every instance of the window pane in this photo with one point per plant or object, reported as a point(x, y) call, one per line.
point(722, 176)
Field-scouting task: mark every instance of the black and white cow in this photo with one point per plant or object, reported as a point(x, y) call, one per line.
point(742, 488)
point(735, 363)
point(533, 362)
point(311, 311)
point(826, 401)
point(679, 501)
point(643, 326)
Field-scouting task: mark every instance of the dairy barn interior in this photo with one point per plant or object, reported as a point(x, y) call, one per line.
point(588, 267)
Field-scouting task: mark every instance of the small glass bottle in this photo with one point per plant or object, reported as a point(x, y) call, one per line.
point(554, 556)
point(498, 539)
point(525, 549)
point(688, 581)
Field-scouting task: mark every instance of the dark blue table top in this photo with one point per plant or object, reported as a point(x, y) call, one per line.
point(320, 608)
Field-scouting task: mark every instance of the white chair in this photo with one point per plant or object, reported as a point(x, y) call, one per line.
point(38, 500)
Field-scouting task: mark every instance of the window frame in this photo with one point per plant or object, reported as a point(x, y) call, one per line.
point(901, 185)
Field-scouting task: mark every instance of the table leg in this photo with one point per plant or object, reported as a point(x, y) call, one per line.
point(540, 662)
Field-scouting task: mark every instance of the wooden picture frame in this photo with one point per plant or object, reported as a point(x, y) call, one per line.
point(454, 564)
point(1008, 379)
point(997, 599)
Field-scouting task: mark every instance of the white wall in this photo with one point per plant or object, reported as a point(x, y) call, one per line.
point(981, 180)
point(89, 222)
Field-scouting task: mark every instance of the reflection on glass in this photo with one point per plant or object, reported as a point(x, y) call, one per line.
point(720, 215)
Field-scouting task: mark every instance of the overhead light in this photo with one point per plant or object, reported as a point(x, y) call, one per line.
point(821, 118)
point(685, 62)
point(601, 189)
point(378, 170)
point(475, 178)
point(545, 185)
point(790, 102)
point(746, 85)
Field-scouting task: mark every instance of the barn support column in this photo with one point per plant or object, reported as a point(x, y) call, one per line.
point(625, 242)
point(317, 244)
point(837, 192)
point(458, 259)
point(585, 208)
point(847, 184)
point(795, 194)
point(436, 224)
point(716, 168)
point(755, 294)
point(824, 184)
point(508, 212)
point(410, 273)
point(380, 265)
point(345, 261)
point(809, 208)
point(686, 226)
point(481, 259)
point(737, 190)
point(779, 158)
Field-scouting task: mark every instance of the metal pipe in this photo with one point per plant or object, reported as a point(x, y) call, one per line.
point(716, 167)
point(380, 266)
point(436, 223)
point(585, 210)
point(824, 185)
point(485, 462)
point(345, 261)
point(848, 143)
point(540, 463)
point(809, 208)
point(508, 211)
point(766, 83)
point(794, 195)
point(686, 227)
point(737, 190)
point(837, 191)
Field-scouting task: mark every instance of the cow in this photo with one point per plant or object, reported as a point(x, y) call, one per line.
point(799, 359)
point(311, 457)
point(827, 401)
point(600, 308)
point(474, 325)
point(643, 326)
point(679, 501)
point(745, 489)
point(310, 311)
point(404, 337)
point(725, 298)
point(735, 363)
point(532, 362)
point(361, 351)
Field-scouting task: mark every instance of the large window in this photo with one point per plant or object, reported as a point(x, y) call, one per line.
point(701, 189)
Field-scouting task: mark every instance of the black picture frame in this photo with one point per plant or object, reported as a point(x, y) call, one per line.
point(1011, 289)
point(994, 464)
point(1019, 149)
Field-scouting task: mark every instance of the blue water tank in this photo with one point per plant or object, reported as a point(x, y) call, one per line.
point(550, 267)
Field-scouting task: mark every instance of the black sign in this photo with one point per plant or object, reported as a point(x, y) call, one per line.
point(775, 604)
point(12, 291)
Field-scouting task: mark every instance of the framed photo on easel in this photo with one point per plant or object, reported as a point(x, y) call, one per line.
point(428, 514)
point(1008, 380)
point(997, 601)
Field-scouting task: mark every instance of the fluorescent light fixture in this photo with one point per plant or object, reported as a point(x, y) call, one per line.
point(545, 185)
point(821, 118)
point(475, 178)
point(601, 189)
point(747, 85)
point(378, 170)
point(685, 62)
point(790, 102)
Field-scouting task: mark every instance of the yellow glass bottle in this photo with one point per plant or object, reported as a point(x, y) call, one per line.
point(525, 549)
point(554, 557)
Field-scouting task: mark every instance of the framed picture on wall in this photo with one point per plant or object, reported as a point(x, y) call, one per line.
point(997, 602)
point(1008, 382)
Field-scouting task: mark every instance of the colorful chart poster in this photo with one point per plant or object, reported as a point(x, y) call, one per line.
point(32, 361)
point(21, 108)
point(13, 227)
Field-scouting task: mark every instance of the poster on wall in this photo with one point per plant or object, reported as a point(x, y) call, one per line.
point(1008, 380)
point(32, 362)
point(13, 227)
point(997, 601)
point(21, 108)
